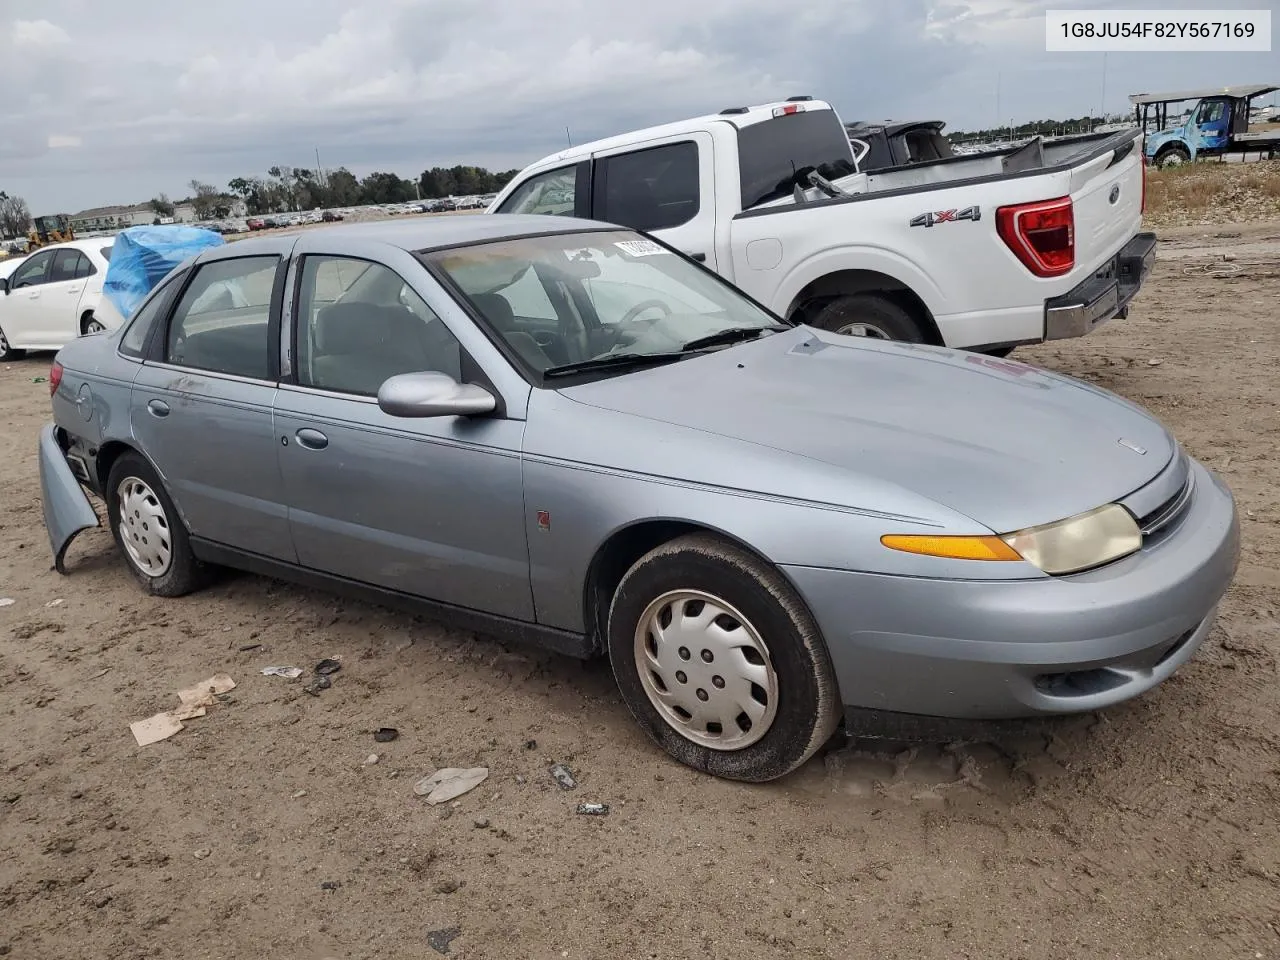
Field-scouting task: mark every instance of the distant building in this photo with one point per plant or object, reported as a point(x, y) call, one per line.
point(137, 215)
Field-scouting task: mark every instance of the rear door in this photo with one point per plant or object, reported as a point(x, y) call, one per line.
point(665, 187)
point(201, 405)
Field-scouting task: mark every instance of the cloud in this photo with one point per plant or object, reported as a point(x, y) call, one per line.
point(218, 90)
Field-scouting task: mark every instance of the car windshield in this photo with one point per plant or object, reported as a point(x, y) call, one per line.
point(590, 298)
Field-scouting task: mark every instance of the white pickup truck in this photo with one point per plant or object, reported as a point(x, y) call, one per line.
point(1035, 243)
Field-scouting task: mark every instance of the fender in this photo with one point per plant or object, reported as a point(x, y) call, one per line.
point(857, 257)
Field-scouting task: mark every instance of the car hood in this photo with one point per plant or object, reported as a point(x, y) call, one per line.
point(1007, 444)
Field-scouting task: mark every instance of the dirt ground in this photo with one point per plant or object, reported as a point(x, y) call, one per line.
point(1152, 831)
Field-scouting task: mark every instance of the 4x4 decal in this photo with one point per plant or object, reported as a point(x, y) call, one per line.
point(946, 216)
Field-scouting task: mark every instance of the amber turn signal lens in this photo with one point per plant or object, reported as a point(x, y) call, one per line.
point(953, 548)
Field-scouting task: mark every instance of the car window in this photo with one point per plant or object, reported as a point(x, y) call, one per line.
point(650, 189)
point(34, 271)
point(547, 193)
point(65, 264)
point(221, 322)
point(85, 267)
point(135, 337)
point(360, 324)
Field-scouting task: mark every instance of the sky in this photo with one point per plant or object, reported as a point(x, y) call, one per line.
point(113, 103)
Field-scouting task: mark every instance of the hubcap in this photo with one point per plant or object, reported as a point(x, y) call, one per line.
point(93, 326)
point(864, 330)
point(144, 529)
point(4, 345)
point(706, 670)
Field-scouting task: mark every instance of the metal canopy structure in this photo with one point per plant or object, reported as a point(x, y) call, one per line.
point(1248, 91)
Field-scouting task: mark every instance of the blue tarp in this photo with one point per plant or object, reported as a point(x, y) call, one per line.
point(143, 256)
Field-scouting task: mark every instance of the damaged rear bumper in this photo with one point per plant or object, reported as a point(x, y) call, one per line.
point(67, 510)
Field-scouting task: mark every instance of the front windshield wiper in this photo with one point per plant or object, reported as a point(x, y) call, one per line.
point(730, 335)
point(612, 360)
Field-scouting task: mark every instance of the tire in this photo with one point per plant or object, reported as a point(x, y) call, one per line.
point(8, 353)
point(1172, 157)
point(870, 315)
point(800, 708)
point(171, 572)
point(88, 325)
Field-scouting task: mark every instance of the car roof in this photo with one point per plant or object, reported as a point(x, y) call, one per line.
point(85, 243)
point(425, 233)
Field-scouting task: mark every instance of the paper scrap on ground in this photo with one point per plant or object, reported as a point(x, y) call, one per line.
point(6, 601)
point(154, 729)
point(289, 673)
point(449, 783)
point(187, 712)
point(204, 694)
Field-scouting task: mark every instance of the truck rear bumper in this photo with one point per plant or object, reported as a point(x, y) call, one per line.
point(1104, 295)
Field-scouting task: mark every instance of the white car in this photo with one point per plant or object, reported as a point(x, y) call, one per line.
point(53, 296)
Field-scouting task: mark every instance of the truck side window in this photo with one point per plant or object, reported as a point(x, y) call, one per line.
point(548, 193)
point(650, 189)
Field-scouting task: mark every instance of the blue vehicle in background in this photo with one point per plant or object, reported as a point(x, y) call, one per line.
point(1216, 124)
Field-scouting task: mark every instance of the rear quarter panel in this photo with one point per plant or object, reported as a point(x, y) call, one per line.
point(101, 380)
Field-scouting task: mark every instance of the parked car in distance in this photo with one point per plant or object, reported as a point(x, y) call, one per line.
point(1033, 243)
point(51, 297)
point(564, 432)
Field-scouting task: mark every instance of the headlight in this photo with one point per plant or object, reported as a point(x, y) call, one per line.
point(1077, 543)
point(1067, 546)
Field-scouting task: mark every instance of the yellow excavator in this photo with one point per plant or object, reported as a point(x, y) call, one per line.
point(46, 230)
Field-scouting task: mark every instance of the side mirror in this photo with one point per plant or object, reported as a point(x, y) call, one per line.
point(431, 394)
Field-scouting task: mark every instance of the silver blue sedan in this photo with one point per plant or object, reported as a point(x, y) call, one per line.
point(565, 432)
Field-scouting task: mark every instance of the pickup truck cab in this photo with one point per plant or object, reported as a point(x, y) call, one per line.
point(53, 296)
point(1012, 247)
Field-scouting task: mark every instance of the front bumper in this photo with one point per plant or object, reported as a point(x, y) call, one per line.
point(989, 650)
point(67, 510)
point(1104, 295)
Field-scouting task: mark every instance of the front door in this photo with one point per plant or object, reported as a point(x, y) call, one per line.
point(1211, 123)
point(201, 406)
point(22, 310)
point(431, 507)
point(666, 189)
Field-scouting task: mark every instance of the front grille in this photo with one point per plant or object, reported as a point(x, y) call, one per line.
point(1168, 512)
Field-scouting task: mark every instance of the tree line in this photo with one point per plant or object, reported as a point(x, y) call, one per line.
point(284, 189)
point(1034, 128)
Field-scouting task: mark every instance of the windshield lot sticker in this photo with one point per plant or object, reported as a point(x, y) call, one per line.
point(640, 248)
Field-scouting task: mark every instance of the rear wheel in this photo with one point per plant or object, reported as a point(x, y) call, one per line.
point(148, 530)
point(720, 662)
point(7, 352)
point(90, 325)
point(869, 315)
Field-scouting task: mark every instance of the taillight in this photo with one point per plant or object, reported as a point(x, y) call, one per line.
point(1041, 235)
point(55, 377)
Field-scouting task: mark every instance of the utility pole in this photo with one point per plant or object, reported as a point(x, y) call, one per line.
point(566, 135)
point(998, 99)
point(1102, 109)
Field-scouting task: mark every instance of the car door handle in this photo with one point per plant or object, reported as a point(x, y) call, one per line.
point(74, 290)
point(312, 439)
point(700, 257)
point(34, 294)
point(157, 408)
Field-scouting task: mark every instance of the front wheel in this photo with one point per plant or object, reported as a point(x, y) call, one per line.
point(148, 530)
point(720, 662)
point(869, 315)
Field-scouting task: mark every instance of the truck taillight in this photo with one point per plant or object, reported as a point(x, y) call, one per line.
point(55, 377)
point(1041, 235)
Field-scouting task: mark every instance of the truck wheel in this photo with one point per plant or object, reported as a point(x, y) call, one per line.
point(719, 661)
point(7, 352)
point(869, 315)
point(1172, 157)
